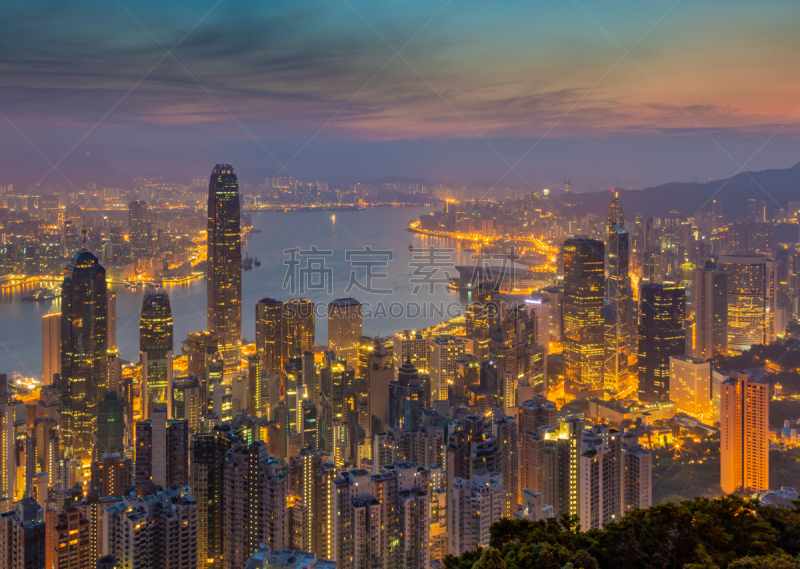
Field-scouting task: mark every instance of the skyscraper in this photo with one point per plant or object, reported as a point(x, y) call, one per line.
point(751, 300)
point(84, 345)
point(661, 336)
point(744, 434)
point(615, 214)
point(345, 327)
point(208, 477)
point(619, 309)
point(224, 289)
point(51, 346)
point(299, 324)
point(444, 352)
point(406, 398)
point(584, 318)
point(23, 536)
point(140, 229)
point(110, 424)
point(155, 351)
point(269, 334)
point(690, 386)
point(711, 312)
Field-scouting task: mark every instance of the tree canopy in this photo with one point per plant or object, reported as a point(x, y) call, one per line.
point(726, 533)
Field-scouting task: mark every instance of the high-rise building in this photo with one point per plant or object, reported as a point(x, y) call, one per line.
point(690, 386)
point(345, 327)
point(73, 541)
point(711, 312)
point(140, 230)
point(255, 490)
point(224, 288)
point(110, 424)
point(112, 474)
point(51, 346)
point(444, 352)
point(584, 317)
point(473, 506)
point(23, 536)
point(406, 398)
point(157, 530)
point(619, 309)
point(112, 321)
point(299, 324)
point(208, 475)
point(269, 334)
point(199, 344)
point(311, 476)
point(752, 300)
point(425, 445)
point(187, 401)
point(744, 434)
point(155, 352)
point(661, 336)
point(162, 451)
point(615, 214)
point(84, 346)
point(410, 346)
point(383, 519)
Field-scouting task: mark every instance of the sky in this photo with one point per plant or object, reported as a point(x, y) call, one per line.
point(505, 93)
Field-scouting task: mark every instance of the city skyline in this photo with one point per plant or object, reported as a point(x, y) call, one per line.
point(399, 285)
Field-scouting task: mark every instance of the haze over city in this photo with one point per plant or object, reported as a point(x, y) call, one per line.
point(389, 284)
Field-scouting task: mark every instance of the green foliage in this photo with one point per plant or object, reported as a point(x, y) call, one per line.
point(766, 562)
point(490, 560)
point(726, 533)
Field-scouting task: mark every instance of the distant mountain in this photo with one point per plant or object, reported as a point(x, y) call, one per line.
point(776, 187)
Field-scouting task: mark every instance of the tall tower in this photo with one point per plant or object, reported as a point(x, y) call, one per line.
point(140, 229)
point(345, 327)
point(51, 346)
point(615, 215)
point(619, 313)
point(711, 312)
point(583, 315)
point(299, 327)
point(269, 334)
point(744, 434)
point(155, 352)
point(751, 300)
point(224, 271)
point(84, 346)
point(661, 336)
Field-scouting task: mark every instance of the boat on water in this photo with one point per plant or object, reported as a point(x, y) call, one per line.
point(255, 231)
point(257, 263)
point(42, 294)
point(247, 262)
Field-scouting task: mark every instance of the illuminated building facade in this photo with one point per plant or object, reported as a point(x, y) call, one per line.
point(711, 312)
point(51, 346)
point(224, 289)
point(690, 386)
point(299, 324)
point(618, 310)
point(744, 434)
point(269, 334)
point(751, 300)
point(84, 346)
point(584, 318)
point(410, 346)
point(661, 336)
point(140, 229)
point(345, 327)
point(155, 351)
point(444, 352)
